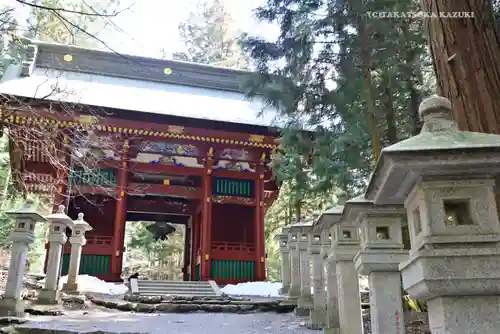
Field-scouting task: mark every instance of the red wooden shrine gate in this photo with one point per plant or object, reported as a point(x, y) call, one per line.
point(210, 175)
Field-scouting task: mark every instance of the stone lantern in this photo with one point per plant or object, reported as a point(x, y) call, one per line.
point(301, 231)
point(446, 180)
point(381, 253)
point(316, 248)
point(294, 291)
point(326, 222)
point(77, 240)
point(282, 239)
point(59, 221)
point(345, 246)
point(22, 236)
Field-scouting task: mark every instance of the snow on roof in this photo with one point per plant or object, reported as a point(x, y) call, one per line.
point(105, 79)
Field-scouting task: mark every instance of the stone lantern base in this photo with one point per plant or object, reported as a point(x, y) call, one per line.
point(47, 296)
point(12, 307)
point(317, 319)
point(330, 330)
point(70, 288)
point(284, 290)
point(461, 287)
point(302, 311)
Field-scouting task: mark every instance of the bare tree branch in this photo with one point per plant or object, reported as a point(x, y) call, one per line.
point(56, 9)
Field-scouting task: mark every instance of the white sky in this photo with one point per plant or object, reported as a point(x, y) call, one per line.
point(151, 25)
point(148, 26)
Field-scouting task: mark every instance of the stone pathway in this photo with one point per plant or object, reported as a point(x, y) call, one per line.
point(198, 323)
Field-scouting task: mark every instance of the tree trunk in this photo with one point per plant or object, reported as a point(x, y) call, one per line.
point(410, 75)
point(298, 211)
point(366, 64)
point(390, 115)
point(466, 55)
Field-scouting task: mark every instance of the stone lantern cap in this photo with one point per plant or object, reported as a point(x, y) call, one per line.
point(328, 218)
point(28, 211)
point(301, 227)
point(439, 150)
point(353, 207)
point(280, 237)
point(81, 225)
point(60, 217)
point(360, 205)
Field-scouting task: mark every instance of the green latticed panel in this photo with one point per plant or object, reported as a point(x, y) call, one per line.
point(222, 186)
point(89, 264)
point(94, 177)
point(233, 270)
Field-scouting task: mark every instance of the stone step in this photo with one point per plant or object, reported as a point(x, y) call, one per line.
point(176, 293)
point(151, 283)
point(142, 288)
point(174, 282)
point(170, 287)
point(179, 288)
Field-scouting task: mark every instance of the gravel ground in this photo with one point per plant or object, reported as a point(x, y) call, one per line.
point(198, 323)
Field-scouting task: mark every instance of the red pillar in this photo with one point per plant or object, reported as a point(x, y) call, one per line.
point(206, 220)
point(194, 245)
point(260, 246)
point(120, 215)
point(187, 256)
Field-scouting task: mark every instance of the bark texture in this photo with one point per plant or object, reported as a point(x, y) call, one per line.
point(466, 53)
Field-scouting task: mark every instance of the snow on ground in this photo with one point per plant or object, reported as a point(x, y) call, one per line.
point(363, 283)
point(262, 289)
point(88, 283)
point(268, 289)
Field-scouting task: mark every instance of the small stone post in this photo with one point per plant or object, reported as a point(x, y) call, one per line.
point(345, 246)
point(77, 241)
point(294, 291)
point(22, 236)
point(332, 298)
point(304, 303)
point(318, 311)
point(57, 238)
point(381, 253)
point(285, 262)
point(327, 221)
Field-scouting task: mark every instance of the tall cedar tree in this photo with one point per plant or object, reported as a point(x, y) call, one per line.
point(466, 55)
point(355, 80)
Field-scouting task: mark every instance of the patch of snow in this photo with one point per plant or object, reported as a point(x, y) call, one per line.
point(363, 283)
point(88, 283)
point(262, 289)
point(268, 289)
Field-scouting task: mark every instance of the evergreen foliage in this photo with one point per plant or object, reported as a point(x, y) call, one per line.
point(355, 80)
